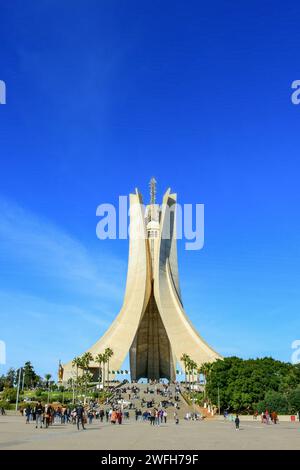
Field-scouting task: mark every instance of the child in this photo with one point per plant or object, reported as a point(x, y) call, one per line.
point(237, 423)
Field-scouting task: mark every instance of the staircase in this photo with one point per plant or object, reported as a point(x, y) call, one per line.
point(184, 407)
point(196, 409)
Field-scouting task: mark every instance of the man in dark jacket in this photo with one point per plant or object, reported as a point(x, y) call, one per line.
point(39, 411)
point(237, 422)
point(80, 416)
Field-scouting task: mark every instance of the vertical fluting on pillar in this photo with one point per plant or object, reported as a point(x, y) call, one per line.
point(150, 353)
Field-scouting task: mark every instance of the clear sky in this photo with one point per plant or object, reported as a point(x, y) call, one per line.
point(101, 95)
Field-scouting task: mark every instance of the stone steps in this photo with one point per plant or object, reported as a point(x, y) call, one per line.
point(184, 407)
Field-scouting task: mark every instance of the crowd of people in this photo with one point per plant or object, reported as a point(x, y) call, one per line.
point(46, 415)
point(268, 418)
point(115, 411)
point(265, 417)
point(155, 404)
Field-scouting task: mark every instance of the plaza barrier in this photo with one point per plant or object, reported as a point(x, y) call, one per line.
point(281, 418)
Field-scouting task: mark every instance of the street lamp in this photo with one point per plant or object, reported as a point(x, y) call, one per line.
point(219, 400)
point(18, 388)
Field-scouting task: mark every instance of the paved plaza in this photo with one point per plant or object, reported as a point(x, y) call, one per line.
point(213, 434)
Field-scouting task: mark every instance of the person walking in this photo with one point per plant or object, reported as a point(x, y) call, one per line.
point(27, 413)
point(39, 411)
point(113, 417)
point(80, 416)
point(90, 416)
point(165, 416)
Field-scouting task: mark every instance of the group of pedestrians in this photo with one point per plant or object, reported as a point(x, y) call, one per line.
point(156, 417)
point(115, 411)
point(45, 415)
point(268, 418)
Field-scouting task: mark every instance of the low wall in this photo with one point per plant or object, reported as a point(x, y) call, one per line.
point(283, 418)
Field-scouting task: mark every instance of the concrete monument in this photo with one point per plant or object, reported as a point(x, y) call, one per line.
point(152, 324)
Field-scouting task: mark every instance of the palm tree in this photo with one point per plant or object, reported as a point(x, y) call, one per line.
point(77, 362)
point(109, 353)
point(104, 361)
point(70, 383)
point(85, 360)
point(185, 359)
point(48, 377)
point(99, 359)
point(199, 372)
point(206, 370)
point(189, 368)
point(192, 368)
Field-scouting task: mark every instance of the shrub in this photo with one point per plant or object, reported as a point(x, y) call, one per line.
point(9, 394)
point(5, 404)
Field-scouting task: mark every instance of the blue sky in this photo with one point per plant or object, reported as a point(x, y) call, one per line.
point(103, 95)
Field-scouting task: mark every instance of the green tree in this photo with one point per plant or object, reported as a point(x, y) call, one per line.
point(9, 395)
point(105, 360)
point(77, 362)
point(294, 400)
point(99, 359)
point(31, 379)
point(85, 363)
point(185, 358)
point(192, 367)
point(10, 378)
point(244, 383)
point(108, 353)
point(274, 401)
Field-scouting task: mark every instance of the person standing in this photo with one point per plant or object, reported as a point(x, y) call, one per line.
point(80, 416)
point(156, 418)
point(152, 417)
point(237, 423)
point(39, 411)
point(165, 416)
point(47, 415)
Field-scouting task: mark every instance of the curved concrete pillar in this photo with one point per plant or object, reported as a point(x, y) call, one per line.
point(152, 324)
